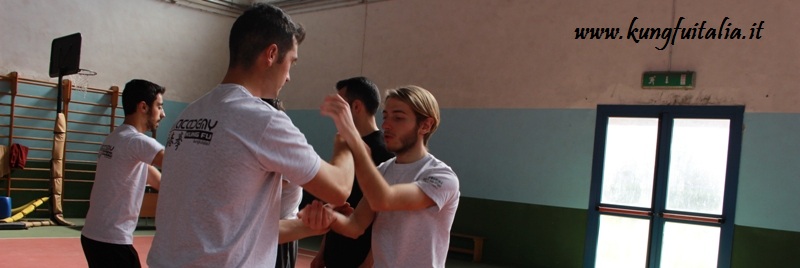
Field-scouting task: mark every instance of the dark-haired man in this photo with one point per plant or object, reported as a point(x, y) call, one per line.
point(124, 168)
point(364, 99)
point(219, 203)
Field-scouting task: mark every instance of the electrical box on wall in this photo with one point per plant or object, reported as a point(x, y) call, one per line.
point(668, 80)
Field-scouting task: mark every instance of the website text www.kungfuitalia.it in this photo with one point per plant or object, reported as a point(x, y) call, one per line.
point(700, 30)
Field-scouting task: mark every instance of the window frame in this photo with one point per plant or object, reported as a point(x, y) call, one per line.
point(666, 116)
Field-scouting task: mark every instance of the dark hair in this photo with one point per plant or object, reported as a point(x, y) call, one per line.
point(138, 90)
point(360, 88)
point(257, 28)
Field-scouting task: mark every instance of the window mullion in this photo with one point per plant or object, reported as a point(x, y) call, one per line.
point(660, 188)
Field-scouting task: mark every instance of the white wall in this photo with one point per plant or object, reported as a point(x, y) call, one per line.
point(523, 53)
point(470, 53)
point(180, 48)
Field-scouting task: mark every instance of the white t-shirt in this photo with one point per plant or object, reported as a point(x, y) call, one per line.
point(119, 185)
point(219, 202)
point(417, 238)
point(291, 196)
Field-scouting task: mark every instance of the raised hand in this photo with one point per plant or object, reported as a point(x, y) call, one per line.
point(335, 107)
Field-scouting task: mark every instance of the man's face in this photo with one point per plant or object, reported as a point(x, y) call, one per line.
point(283, 66)
point(400, 127)
point(155, 113)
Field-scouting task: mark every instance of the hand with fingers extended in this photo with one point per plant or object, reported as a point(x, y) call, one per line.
point(335, 107)
point(317, 216)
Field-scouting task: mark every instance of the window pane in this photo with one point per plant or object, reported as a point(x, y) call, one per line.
point(697, 165)
point(622, 242)
point(688, 245)
point(629, 161)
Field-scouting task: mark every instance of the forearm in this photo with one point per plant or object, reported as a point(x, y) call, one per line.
point(374, 187)
point(334, 180)
point(347, 226)
point(342, 160)
point(355, 223)
point(153, 177)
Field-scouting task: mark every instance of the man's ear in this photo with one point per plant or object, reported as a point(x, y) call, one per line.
point(426, 125)
point(270, 54)
point(142, 106)
point(356, 106)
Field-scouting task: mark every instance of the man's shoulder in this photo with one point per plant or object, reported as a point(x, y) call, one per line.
point(436, 165)
point(232, 107)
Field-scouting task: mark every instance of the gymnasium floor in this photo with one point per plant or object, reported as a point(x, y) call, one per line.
point(59, 246)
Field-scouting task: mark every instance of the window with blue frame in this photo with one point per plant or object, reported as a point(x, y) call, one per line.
point(663, 191)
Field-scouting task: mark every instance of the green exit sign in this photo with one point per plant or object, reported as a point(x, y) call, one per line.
point(668, 80)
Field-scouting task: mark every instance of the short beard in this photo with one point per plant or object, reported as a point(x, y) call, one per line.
point(152, 126)
point(407, 142)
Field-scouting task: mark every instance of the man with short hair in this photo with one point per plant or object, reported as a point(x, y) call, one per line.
point(124, 168)
point(219, 203)
point(364, 99)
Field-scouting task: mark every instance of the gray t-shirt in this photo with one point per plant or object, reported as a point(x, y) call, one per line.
point(219, 202)
point(417, 238)
point(119, 184)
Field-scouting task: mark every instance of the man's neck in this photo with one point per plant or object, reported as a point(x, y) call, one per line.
point(251, 83)
point(412, 155)
point(366, 127)
point(138, 124)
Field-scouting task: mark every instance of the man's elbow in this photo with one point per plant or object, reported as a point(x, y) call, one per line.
point(338, 197)
point(341, 194)
point(337, 200)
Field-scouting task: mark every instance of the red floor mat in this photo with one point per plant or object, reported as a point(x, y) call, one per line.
point(67, 252)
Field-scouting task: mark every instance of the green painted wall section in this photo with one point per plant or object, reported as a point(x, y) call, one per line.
point(758, 247)
point(544, 157)
point(525, 235)
point(528, 156)
point(770, 170)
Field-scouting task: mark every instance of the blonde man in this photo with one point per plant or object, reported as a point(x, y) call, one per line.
point(412, 198)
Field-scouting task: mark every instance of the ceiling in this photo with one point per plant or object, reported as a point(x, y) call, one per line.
point(233, 8)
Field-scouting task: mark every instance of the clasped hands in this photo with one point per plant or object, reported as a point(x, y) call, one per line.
point(319, 217)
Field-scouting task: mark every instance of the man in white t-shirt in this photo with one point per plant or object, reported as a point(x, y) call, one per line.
point(291, 196)
point(412, 198)
point(219, 202)
point(124, 168)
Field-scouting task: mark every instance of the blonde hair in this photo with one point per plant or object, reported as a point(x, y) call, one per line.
point(422, 102)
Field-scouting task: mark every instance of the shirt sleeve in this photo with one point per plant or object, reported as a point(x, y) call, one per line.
point(440, 183)
point(286, 151)
point(146, 148)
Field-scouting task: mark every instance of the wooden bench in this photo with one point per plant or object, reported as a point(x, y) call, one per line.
point(477, 246)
